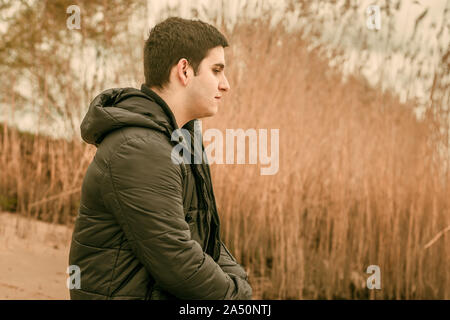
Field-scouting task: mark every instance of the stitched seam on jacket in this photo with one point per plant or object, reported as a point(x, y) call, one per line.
point(193, 274)
point(114, 268)
point(99, 294)
point(86, 211)
point(111, 116)
point(99, 167)
point(86, 245)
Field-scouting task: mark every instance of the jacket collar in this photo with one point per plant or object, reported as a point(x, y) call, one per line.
point(190, 125)
point(155, 97)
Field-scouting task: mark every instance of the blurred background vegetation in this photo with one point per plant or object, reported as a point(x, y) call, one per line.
point(363, 118)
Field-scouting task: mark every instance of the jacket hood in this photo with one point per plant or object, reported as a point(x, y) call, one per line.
point(121, 107)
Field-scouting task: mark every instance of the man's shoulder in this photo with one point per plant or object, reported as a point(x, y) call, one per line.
point(146, 152)
point(143, 137)
point(134, 142)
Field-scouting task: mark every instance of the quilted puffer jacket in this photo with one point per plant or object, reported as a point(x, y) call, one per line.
point(147, 227)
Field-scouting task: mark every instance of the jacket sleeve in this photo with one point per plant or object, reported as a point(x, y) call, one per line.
point(147, 203)
point(229, 264)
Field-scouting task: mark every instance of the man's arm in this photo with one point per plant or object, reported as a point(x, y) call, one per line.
point(147, 202)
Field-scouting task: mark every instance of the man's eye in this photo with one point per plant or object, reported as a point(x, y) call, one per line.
point(216, 71)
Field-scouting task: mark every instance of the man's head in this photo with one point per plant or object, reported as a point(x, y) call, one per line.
point(185, 59)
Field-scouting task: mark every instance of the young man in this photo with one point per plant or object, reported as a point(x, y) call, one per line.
point(148, 226)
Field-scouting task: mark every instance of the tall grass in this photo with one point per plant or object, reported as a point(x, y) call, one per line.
point(41, 177)
point(360, 180)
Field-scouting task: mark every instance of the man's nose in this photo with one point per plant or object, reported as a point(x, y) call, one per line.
point(224, 85)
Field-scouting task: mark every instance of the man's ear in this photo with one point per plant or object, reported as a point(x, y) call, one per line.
point(183, 71)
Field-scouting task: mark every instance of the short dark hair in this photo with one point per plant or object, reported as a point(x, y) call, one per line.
point(176, 38)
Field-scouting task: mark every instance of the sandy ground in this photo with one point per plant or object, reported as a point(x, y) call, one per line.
point(33, 259)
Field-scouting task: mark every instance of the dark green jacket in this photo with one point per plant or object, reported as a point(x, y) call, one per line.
point(147, 227)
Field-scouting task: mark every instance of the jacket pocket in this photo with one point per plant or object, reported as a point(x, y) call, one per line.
point(198, 225)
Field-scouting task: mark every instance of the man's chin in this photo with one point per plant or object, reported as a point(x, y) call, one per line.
point(210, 112)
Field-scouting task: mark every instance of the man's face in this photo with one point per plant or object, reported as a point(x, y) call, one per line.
point(206, 90)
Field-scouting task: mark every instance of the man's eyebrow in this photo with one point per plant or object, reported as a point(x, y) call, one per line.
point(220, 65)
